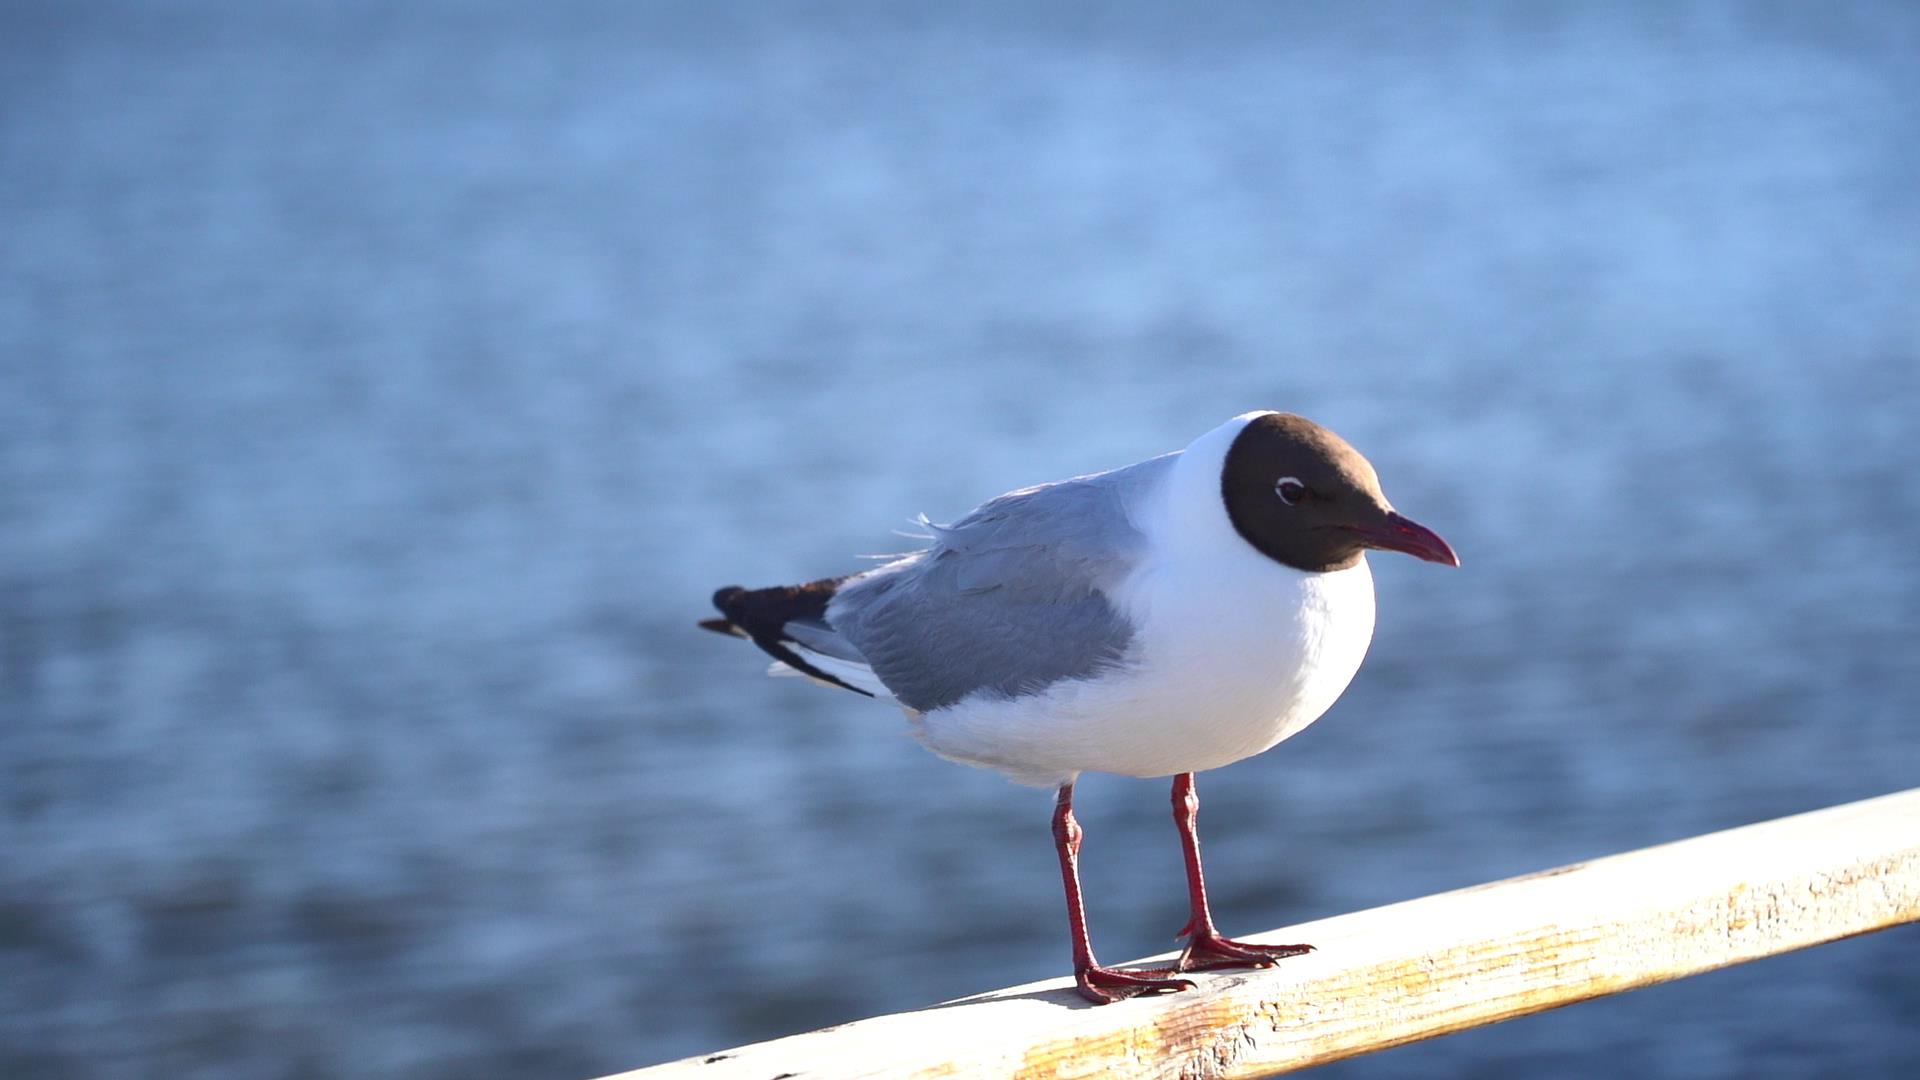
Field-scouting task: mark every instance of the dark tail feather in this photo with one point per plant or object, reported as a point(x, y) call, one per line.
point(761, 616)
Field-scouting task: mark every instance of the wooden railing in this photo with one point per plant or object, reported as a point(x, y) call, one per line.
point(1413, 970)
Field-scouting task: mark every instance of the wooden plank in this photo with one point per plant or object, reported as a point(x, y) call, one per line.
point(1413, 970)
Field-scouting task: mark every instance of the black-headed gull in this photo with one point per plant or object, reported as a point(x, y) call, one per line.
point(1157, 620)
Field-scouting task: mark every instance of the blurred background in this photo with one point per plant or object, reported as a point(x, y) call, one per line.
point(384, 388)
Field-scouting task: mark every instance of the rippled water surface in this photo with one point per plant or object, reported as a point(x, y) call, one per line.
point(383, 388)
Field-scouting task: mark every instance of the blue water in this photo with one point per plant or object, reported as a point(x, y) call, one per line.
point(383, 388)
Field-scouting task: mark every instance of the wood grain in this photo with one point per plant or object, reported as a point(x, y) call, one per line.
point(1414, 970)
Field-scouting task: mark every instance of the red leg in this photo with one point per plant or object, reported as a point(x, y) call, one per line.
point(1099, 985)
point(1205, 947)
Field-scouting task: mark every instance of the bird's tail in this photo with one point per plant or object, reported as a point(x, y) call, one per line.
point(789, 623)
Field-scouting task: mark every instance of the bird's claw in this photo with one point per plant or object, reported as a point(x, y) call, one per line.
point(1104, 986)
point(1205, 952)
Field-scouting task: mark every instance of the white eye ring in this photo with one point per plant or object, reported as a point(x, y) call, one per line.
point(1289, 489)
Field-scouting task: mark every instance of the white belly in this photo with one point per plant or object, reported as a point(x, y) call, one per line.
point(1224, 666)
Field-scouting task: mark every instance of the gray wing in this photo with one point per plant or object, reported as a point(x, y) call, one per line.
point(1009, 599)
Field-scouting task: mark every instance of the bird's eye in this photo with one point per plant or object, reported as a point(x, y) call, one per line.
point(1290, 489)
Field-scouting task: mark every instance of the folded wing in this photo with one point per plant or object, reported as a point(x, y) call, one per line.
point(1009, 600)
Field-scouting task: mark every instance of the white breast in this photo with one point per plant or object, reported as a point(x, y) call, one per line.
point(1231, 665)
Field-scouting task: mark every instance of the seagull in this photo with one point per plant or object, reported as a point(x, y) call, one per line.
point(1156, 620)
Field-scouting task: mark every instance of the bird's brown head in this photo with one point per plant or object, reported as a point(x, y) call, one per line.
point(1303, 497)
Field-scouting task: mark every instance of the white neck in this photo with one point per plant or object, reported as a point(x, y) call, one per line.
point(1190, 518)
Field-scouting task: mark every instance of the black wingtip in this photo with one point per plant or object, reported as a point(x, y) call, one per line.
point(760, 616)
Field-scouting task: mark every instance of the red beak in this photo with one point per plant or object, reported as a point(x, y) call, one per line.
point(1411, 537)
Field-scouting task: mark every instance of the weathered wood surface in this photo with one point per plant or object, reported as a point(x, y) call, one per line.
point(1413, 970)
